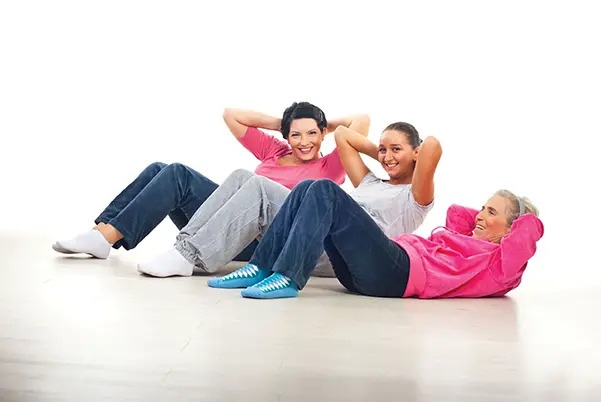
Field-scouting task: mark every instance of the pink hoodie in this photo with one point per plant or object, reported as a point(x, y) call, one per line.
point(452, 263)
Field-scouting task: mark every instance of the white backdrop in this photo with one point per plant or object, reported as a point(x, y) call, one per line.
point(91, 92)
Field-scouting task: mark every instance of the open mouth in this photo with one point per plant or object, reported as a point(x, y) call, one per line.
point(480, 227)
point(390, 166)
point(305, 150)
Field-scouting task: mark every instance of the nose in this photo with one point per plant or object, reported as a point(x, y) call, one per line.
point(388, 157)
point(479, 216)
point(305, 140)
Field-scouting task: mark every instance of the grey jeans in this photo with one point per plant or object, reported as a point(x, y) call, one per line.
point(238, 212)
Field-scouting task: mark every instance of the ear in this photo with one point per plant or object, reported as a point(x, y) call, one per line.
point(415, 153)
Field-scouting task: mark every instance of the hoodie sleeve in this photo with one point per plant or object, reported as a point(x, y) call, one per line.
point(461, 219)
point(520, 244)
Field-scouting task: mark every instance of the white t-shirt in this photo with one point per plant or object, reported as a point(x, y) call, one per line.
point(391, 206)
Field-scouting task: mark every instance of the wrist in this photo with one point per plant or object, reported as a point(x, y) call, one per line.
point(277, 124)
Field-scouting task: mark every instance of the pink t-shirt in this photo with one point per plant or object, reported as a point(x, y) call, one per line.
point(269, 149)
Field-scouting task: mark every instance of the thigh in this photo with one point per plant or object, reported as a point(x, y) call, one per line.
point(271, 195)
point(275, 192)
point(368, 261)
point(212, 198)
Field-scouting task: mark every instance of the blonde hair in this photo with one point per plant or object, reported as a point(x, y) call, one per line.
point(517, 205)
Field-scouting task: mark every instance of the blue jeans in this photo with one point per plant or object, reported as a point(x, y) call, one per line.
point(319, 215)
point(161, 190)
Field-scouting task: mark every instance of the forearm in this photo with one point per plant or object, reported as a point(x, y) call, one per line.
point(356, 122)
point(429, 154)
point(345, 137)
point(251, 118)
point(461, 219)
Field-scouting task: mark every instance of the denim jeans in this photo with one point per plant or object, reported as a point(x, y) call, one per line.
point(319, 215)
point(160, 190)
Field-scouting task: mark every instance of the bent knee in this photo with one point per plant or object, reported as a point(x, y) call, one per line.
point(304, 183)
point(325, 184)
point(242, 173)
point(155, 167)
point(177, 166)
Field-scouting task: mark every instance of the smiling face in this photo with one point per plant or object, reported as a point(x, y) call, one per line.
point(305, 139)
point(491, 222)
point(397, 156)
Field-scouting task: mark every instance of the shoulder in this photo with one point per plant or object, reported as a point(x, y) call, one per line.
point(371, 179)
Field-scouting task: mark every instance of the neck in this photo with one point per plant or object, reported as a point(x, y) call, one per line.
point(299, 161)
point(406, 179)
point(399, 181)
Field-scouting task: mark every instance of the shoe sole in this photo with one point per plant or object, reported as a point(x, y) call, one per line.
point(58, 248)
point(146, 272)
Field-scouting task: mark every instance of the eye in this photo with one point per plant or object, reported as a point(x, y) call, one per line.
point(396, 149)
point(312, 133)
point(294, 134)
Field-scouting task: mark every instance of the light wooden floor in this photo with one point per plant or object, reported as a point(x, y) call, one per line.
point(78, 329)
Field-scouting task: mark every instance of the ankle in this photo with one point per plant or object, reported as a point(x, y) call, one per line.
point(110, 233)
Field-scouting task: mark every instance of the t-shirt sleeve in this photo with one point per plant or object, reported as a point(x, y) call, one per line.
point(262, 145)
point(461, 219)
point(413, 214)
point(400, 213)
point(369, 178)
point(419, 207)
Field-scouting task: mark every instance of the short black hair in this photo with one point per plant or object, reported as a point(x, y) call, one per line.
point(408, 130)
point(302, 110)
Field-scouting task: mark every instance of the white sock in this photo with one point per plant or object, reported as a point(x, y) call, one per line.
point(170, 263)
point(90, 242)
